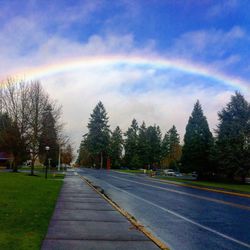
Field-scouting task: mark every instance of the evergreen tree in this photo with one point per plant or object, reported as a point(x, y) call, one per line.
point(233, 137)
point(99, 135)
point(154, 144)
point(143, 145)
point(198, 143)
point(49, 138)
point(172, 148)
point(115, 148)
point(84, 157)
point(165, 149)
point(131, 157)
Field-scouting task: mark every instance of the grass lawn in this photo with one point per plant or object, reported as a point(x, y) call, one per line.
point(227, 186)
point(135, 171)
point(40, 167)
point(26, 206)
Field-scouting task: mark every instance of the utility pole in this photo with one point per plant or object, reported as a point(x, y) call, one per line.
point(1, 99)
point(59, 159)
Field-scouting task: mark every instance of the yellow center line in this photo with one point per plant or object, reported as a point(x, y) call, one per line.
point(196, 187)
point(188, 194)
point(203, 188)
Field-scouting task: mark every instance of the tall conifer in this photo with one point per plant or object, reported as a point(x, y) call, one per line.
point(115, 148)
point(198, 141)
point(98, 136)
point(233, 137)
point(131, 157)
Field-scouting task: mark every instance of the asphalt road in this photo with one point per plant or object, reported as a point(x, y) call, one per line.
point(182, 217)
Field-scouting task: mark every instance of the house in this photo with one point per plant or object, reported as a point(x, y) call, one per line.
point(6, 159)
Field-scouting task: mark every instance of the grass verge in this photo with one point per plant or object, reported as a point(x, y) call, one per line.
point(237, 187)
point(227, 186)
point(26, 206)
point(134, 171)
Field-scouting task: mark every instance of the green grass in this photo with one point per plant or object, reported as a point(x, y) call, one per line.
point(227, 186)
point(26, 206)
point(41, 169)
point(135, 171)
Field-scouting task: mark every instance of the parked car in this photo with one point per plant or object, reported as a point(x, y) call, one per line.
point(177, 174)
point(169, 172)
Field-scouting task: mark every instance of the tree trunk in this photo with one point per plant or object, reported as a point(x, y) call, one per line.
point(101, 160)
point(32, 167)
point(14, 166)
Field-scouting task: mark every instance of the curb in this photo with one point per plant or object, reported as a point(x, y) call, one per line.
point(133, 221)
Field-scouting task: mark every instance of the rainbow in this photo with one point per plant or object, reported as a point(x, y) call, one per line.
point(154, 62)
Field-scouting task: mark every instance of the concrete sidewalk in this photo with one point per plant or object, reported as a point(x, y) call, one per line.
point(84, 220)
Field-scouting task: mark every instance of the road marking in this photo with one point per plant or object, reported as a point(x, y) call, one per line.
point(134, 222)
point(188, 194)
point(175, 183)
point(204, 188)
point(185, 218)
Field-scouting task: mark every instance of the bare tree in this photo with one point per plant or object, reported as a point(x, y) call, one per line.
point(67, 154)
point(26, 104)
point(13, 103)
point(38, 101)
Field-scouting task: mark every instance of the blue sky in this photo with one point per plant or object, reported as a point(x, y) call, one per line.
point(214, 34)
point(210, 32)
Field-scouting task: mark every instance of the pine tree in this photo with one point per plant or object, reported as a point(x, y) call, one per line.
point(131, 157)
point(49, 138)
point(172, 148)
point(99, 134)
point(115, 148)
point(154, 144)
point(165, 149)
point(84, 157)
point(143, 145)
point(198, 143)
point(233, 137)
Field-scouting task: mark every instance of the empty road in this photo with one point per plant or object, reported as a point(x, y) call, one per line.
point(182, 217)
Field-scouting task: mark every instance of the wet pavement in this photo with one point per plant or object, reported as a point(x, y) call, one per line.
point(182, 217)
point(84, 220)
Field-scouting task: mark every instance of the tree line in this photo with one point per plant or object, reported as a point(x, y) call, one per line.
point(224, 155)
point(30, 122)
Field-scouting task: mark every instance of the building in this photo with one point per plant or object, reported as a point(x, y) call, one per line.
point(6, 159)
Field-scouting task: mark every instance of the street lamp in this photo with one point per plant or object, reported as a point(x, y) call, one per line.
point(46, 170)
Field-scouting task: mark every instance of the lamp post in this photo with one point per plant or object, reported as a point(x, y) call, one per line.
point(46, 170)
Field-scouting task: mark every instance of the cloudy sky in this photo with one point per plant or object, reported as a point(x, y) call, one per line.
point(144, 59)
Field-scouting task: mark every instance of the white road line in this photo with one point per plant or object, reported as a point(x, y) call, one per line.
point(188, 194)
point(185, 218)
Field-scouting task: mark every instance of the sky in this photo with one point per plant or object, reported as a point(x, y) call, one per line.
point(144, 59)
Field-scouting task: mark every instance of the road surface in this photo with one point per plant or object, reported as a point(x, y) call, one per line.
point(182, 217)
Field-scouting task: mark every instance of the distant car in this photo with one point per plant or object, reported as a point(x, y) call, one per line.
point(124, 168)
point(177, 174)
point(169, 172)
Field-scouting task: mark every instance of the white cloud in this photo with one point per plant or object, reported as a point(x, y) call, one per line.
point(80, 91)
point(222, 8)
point(127, 92)
point(205, 44)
